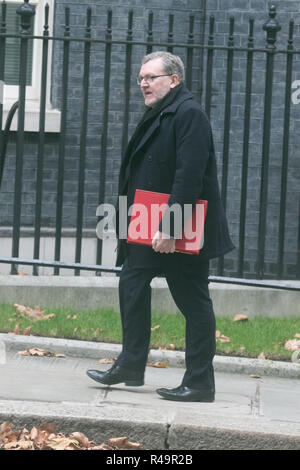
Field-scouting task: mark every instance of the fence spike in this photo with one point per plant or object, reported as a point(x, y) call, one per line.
point(26, 12)
point(271, 27)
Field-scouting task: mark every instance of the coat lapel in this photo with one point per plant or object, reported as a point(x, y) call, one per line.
point(184, 95)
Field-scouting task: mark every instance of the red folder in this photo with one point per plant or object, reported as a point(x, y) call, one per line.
point(147, 211)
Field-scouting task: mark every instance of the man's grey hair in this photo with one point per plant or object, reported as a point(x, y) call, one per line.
point(171, 63)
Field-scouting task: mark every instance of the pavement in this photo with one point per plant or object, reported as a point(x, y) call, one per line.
point(257, 402)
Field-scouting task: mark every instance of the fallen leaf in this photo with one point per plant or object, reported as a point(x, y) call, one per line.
point(240, 317)
point(297, 335)
point(20, 445)
point(82, 439)
point(72, 317)
point(292, 344)
point(222, 338)
point(155, 328)
point(17, 331)
point(39, 352)
point(62, 443)
point(255, 376)
point(44, 437)
point(101, 447)
point(97, 332)
point(108, 360)
point(37, 313)
point(123, 443)
point(261, 356)
point(158, 364)
point(171, 347)
point(48, 427)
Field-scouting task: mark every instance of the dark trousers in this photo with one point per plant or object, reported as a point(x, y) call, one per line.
point(188, 285)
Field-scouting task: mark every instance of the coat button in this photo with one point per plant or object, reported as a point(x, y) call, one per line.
point(149, 158)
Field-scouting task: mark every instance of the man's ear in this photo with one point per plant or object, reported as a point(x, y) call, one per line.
point(175, 81)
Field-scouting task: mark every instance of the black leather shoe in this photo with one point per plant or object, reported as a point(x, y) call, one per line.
point(117, 374)
point(183, 393)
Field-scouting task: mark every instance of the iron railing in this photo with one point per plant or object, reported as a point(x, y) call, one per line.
point(204, 90)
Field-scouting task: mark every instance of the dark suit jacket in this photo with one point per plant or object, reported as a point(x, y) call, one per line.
point(176, 156)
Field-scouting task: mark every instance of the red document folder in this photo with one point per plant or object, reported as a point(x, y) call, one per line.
point(147, 211)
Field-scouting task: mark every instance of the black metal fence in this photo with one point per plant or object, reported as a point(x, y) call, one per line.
point(200, 60)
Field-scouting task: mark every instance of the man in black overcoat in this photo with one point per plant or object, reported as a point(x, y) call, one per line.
point(171, 152)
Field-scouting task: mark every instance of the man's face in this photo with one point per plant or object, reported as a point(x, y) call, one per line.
point(154, 91)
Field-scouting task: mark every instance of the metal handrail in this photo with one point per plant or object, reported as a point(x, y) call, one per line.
point(6, 130)
point(269, 284)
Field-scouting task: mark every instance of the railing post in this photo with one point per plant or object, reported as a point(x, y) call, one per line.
point(103, 150)
point(83, 136)
point(170, 33)
point(285, 149)
point(244, 175)
point(128, 59)
point(227, 121)
point(41, 144)
point(271, 27)
point(62, 139)
point(2, 63)
point(26, 13)
point(150, 33)
point(209, 66)
point(189, 54)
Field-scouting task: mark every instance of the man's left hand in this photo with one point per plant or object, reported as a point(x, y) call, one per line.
point(161, 243)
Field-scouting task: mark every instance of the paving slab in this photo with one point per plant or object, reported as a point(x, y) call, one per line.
point(248, 413)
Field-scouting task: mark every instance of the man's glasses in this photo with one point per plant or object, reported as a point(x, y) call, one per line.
point(150, 78)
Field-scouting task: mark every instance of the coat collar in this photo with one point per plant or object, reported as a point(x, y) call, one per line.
point(184, 95)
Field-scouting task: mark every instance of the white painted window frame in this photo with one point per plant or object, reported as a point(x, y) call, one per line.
point(32, 104)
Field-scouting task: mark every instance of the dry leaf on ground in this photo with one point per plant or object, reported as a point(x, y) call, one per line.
point(39, 352)
point(158, 364)
point(107, 360)
point(123, 443)
point(222, 338)
point(155, 328)
point(171, 347)
point(240, 317)
point(292, 344)
point(17, 331)
point(37, 313)
point(297, 335)
point(45, 437)
point(261, 356)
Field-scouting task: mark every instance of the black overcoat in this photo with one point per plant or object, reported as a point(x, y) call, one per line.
point(176, 156)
